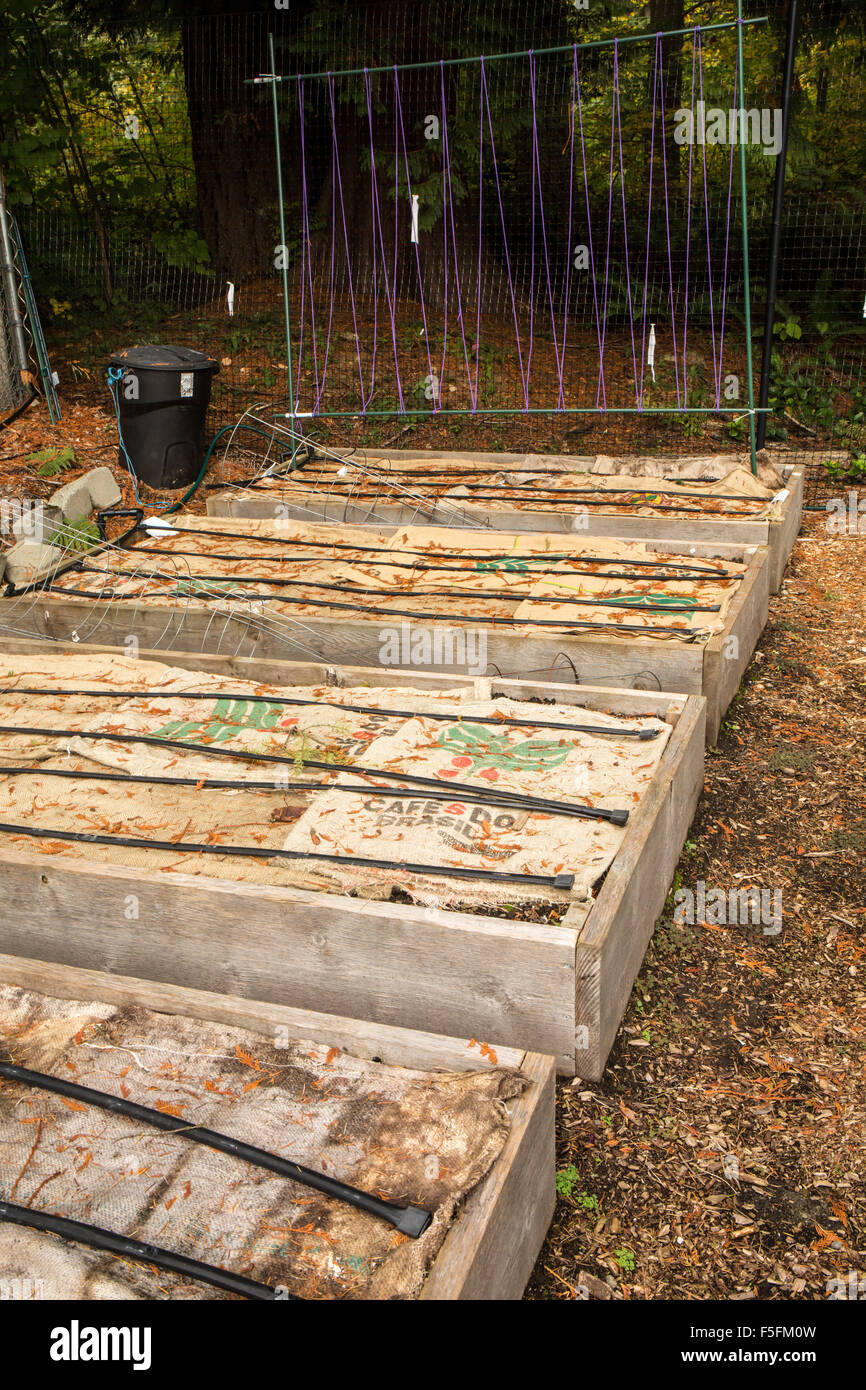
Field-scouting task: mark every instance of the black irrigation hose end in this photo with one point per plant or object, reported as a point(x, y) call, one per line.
point(645, 734)
point(618, 817)
point(565, 881)
point(413, 1221)
point(105, 512)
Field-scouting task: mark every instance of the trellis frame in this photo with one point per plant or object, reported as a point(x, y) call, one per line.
point(274, 79)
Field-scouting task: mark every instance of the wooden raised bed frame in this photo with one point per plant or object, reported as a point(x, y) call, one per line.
point(559, 990)
point(777, 535)
point(490, 1250)
point(713, 668)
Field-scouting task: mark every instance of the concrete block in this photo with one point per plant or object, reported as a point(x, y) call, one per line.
point(73, 499)
point(29, 561)
point(103, 488)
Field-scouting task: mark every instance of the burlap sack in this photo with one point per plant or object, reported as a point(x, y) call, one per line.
point(570, 768)
point(405, 1135)
point(608, 770)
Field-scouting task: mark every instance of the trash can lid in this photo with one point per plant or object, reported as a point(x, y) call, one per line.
point(168, 358)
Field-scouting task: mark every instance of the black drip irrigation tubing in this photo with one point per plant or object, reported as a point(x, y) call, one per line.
point(220, 784)
point(563, 624)
point(98, 1238)
point(347, 490)
point(368, 484)
point(547, 503)
point(365, 465)
point(215, 695)
point(518, 800)
point(490, 567)
point(410, 1220)
point(564, 881)
point(19, 410)
point(496, 596)
point(377, 549)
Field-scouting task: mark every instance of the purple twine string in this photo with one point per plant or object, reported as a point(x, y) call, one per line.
point(688, 238)
point(453, 232)
point(474, 393)
point(373, 195)
point(727, 241)
point(648, 223)
point(569, 237)
point(532, 224)
point(543, 230)
point(668, 216)
point(625, 220)
point(445, 176)
point(707, 206)
point(486, 101)
point(447, 168)
point(609, 218)
point(589, 228)
point(306, 248)
point(378, 225)
point(346, 238)
point(436, 402)
point(331, 281)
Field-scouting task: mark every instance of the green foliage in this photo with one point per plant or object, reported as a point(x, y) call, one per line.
point(77, 535)
point(789, 327)
point(625, 1260)
point(304, 750)
point(854, 471)
point(566, 1179)
point(52, 461)
point(566, 1182)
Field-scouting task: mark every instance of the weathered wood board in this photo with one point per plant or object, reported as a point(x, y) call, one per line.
point(712, 668)
point(559, 990)
point(492, 1246)
point(778, 533)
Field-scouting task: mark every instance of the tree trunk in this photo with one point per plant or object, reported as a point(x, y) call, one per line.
point(664, 15)
point(232, 143)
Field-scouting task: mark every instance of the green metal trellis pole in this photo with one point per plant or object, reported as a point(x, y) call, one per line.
point(744, 215)
point(283, 246)
point(520, 53)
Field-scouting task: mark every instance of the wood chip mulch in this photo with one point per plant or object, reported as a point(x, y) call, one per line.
point(722, 1155)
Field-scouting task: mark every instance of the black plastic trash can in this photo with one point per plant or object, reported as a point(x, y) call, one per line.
point(162, 396)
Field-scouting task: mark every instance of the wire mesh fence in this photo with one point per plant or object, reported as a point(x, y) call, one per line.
point(15, 389)
point(150, 212)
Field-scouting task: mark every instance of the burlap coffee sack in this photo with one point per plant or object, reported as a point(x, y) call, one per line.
point(323, 732)
point(607, 772)
point(642, 602)
point(403, 1134)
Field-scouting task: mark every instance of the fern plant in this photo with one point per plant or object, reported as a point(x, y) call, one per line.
point(52, 461)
